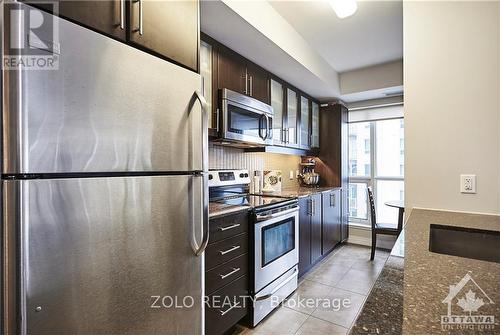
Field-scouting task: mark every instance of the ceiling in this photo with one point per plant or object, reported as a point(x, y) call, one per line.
point(373, 35)
point(305, 44)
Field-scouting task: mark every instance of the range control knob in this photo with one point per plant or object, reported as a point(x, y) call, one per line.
point(246, 175)
point(210, 177)
point(242, 175)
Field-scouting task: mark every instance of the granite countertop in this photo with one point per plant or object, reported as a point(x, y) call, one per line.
point(218, 209)
point(414, 305)
point(300, 191)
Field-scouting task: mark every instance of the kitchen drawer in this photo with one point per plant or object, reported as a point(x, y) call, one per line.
point(226, 307)
point(228, 225)
point(226, 273)
point(225, 250)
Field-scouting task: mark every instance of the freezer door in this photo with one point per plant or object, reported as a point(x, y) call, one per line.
point(108, 106)
point(104, 256)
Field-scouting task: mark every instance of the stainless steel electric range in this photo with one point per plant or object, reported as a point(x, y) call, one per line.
point(274, 244)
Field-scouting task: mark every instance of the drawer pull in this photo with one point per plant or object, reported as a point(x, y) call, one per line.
point(222, 313)
point(229, 227)
point(230, 273)
point(236, 247)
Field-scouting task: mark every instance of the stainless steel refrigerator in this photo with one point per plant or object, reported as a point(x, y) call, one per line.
point(104, 189)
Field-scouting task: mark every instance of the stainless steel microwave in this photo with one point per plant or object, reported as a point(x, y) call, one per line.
point(244, 121)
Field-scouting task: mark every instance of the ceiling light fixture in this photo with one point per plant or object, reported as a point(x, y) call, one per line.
point(344, 8)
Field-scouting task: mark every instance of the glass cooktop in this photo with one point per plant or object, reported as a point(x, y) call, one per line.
point(250, 200)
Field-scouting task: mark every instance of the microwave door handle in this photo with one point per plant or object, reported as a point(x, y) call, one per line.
point(267, 127)
point(262, 134)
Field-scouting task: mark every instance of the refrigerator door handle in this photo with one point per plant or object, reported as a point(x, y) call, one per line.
point(199, 249)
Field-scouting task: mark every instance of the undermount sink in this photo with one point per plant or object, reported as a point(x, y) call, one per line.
point(465, 242)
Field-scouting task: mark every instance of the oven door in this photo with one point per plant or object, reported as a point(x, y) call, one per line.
point(276, 246)
point(245, 124)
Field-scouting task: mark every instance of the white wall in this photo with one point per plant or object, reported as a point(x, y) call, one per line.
point(452, 104)
point(372, 78)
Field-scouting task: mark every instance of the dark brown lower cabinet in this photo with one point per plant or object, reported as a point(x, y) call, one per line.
point(316, 229)
point(320, 227)
point(331, 219)
point(304, 235)
point(226, 306)
point(226, 272)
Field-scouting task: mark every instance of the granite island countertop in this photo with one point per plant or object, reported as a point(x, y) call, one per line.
point(428, 276)
point(415, 305)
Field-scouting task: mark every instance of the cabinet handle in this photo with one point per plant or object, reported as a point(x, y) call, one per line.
point(229, 227)
point(332, 200)
point(217, 120)
point(245, 76)
point(222, 313)
point(251, 86)
point(230, 273)
point(140, 29)
point(122, 14)
point(234, 248)
point(313, 207)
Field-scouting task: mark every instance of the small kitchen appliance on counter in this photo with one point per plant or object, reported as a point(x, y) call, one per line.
point(308, 177)
point(272, 181)
point(274, 237)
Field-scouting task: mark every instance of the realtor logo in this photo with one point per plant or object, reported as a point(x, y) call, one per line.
point(468, 296)
point(33, 36)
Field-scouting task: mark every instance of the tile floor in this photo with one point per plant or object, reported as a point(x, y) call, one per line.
point(346, 273)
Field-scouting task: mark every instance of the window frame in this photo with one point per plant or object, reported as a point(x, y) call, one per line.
point(373, 178)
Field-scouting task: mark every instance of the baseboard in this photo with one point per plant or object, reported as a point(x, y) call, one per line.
point(359, 240)
point(362, 236)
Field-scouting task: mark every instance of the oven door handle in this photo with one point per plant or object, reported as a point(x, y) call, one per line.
point(260, 218)
point(277, 288)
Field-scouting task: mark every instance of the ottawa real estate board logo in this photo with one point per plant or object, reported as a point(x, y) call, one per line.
point(464, 301)
point(32, 36)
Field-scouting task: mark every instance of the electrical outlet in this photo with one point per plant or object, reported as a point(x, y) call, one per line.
point(291, 175)
point(468, 183)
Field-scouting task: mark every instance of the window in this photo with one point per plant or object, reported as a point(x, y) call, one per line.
point(379, 146)
point(359, 136)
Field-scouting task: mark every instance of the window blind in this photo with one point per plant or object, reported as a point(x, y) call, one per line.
point(376, 113)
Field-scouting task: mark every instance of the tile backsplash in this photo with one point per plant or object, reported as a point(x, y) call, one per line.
point(221, 157)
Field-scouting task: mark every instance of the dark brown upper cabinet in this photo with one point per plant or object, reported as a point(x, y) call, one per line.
point(167, 28)
point(258, 83)
point(231, 71)
point(240, 75)
point(105, 16)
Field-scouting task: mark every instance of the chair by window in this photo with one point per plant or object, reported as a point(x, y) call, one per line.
point(378, 228)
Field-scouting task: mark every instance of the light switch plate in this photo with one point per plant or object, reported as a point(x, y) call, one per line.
point(468, 183)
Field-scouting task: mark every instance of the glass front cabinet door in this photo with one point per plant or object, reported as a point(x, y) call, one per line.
point(304, 123)
point(291, 133)
point(277, 102)
point(314, 125)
